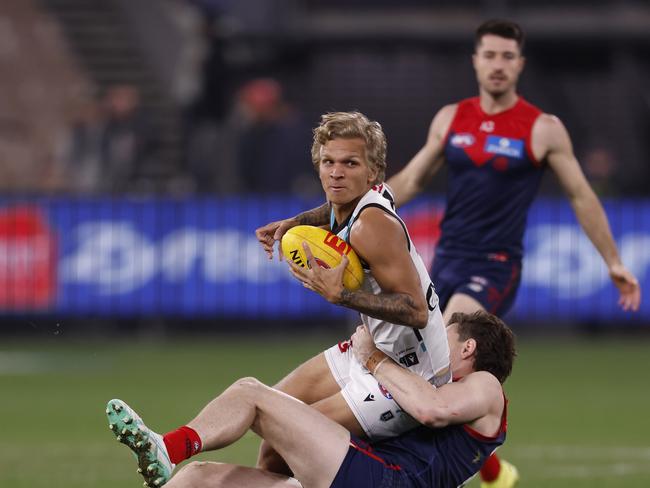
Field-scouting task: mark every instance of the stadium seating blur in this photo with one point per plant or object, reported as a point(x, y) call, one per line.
point(188, 58)
point(40, 86)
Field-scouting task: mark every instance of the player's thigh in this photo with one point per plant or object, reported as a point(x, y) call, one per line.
point(337, 409)
point(312, 445)
point(311, 381)
point(461, 302)
point(211, 474)
point(325, 397)
point(374, 408)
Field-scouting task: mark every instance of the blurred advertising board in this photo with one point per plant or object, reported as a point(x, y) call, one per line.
point(199, 257)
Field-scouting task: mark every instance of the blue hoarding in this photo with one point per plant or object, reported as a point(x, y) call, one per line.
point(199, 258)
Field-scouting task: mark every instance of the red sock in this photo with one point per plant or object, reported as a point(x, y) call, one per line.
point(182, 444)
point(491, 468)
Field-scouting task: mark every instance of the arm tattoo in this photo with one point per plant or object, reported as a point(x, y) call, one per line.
point(316, 216)
point(397, 308)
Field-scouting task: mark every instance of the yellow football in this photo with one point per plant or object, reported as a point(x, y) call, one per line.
point(328, 250)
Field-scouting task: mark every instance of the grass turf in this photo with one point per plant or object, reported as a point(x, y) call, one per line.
point(578, 408)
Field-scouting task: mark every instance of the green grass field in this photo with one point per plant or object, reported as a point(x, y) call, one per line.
point(578, 418)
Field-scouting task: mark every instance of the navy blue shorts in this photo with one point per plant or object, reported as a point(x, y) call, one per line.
point(362, 468)
point(492, 282)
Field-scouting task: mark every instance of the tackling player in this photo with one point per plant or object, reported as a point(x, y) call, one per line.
point(461, 424)
point(496, 147)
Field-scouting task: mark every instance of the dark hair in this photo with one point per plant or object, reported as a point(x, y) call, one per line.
point(495, 342)
point(501, 28)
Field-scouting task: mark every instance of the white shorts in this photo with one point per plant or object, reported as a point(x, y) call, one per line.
point(379, 415)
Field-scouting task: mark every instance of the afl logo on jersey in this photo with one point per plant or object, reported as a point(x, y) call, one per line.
point(462, 140)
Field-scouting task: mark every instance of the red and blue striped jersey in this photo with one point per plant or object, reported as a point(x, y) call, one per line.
point(445, 457)
point(493, 179)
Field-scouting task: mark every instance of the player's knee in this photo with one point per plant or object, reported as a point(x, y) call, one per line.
point(248, 383)
point(253, 392)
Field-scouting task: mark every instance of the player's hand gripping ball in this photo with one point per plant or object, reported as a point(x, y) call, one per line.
point(328, 250)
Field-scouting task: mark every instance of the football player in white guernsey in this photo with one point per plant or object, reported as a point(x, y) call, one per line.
point(397, 302)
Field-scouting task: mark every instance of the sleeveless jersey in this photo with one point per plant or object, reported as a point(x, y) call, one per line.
point(423, 351)
point(447, 457)
point(493, 179)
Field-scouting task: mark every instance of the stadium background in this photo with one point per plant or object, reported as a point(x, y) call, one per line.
point(142, 142)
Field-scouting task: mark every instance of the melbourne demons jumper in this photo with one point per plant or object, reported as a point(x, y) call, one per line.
point(423, 457)
point(493, 179)
point(423, 351)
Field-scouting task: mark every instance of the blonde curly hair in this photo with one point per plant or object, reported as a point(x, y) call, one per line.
point(352, 125)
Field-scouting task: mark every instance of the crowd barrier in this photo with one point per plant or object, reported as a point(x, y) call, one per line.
point(198, 257)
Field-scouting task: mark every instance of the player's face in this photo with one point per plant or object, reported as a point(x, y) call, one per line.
point(344, 171)
point(458, 349)
point(498, 63)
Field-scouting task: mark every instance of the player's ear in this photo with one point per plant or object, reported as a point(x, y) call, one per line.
point(468, 349)
point(373, 172)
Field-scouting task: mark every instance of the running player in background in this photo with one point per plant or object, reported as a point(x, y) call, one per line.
point(497, 146)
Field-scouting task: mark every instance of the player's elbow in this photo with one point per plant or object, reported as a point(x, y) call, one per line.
point(420, 317)
point(418, 183)
point(422, 320)
point(432, 417)
point(416, 319)
point(406, 185)
point(413, 186)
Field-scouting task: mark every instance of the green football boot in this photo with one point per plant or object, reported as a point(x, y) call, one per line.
point(148, 446)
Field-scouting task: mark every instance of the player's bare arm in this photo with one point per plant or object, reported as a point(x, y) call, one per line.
point(551, 142)
point(413, 178)
point(316, 216)
point(477, 399)
point(272, 232)
point(380, 241)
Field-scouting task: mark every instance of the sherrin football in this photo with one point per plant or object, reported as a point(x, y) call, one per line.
point(328, 250)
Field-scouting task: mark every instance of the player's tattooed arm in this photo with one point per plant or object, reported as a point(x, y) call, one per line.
point(316, 216)
point(272, 232)
point(382, 243)
point(397, 308)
